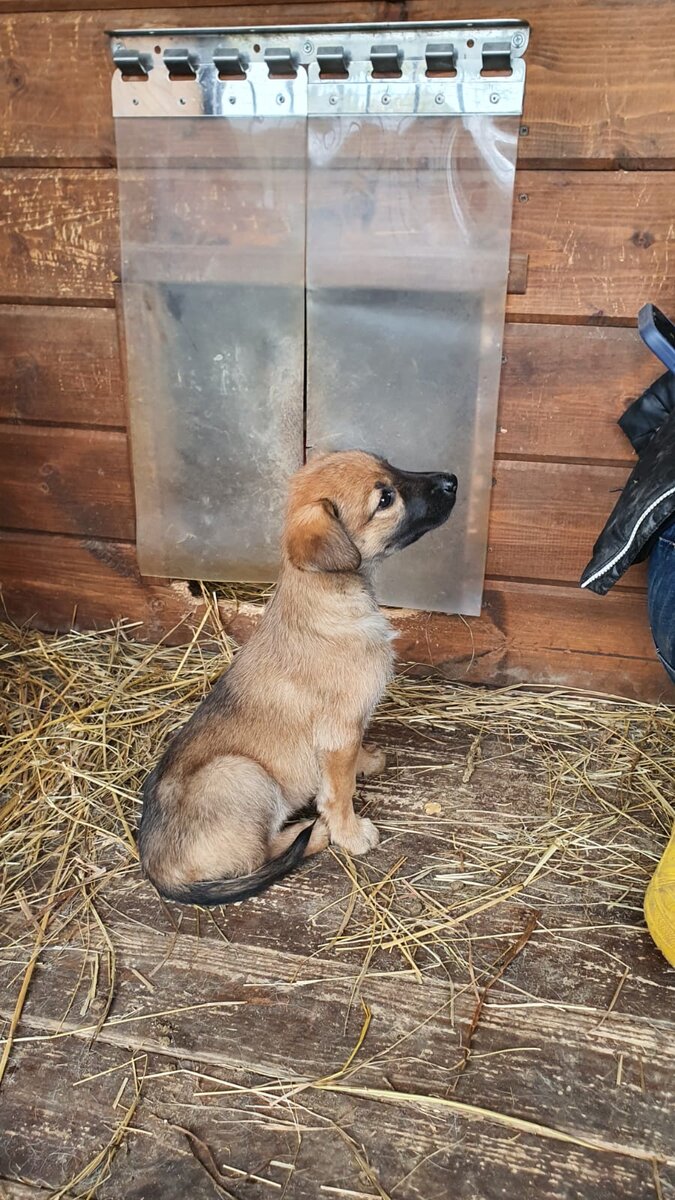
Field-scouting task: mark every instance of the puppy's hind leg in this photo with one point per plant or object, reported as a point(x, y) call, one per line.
point(233, 806)
point(218, 841)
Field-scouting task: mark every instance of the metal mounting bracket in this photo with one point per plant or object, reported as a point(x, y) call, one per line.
point(386, 58)
point(131, 64)
point(333, 60)
point(428, 69)
point(181, 63)
point(230, 62)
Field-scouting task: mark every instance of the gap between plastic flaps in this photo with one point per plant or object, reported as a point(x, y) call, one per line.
point(213, 259)
point(409, 225)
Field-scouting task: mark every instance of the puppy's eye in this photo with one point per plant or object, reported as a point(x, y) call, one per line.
point(387, 497)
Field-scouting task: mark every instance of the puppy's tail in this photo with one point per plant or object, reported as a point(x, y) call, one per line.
point(211, 892)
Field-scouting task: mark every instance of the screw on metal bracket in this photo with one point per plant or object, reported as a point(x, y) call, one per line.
point(281, 99)
point(439, 98)
point(385, 99)
point(308, 47)
point(494, 98)
point(518, 40)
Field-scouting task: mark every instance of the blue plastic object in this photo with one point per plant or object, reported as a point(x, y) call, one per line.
point(658, 333)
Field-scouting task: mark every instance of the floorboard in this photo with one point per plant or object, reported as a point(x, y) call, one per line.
point(232, 1040)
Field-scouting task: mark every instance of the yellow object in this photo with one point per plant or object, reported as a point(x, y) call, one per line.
point(660, 903)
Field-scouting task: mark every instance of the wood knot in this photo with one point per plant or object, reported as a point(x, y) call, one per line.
point(643, 239)
point(14, 76)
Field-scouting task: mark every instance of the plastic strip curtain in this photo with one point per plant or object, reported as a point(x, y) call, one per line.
point(213, 261)
point(340, 276)
point(409, 224)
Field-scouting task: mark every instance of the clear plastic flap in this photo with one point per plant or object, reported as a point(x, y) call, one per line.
point(315, 230)
point(213, 262)
point(409, 223)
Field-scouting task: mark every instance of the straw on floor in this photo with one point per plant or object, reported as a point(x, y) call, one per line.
point(85, 713)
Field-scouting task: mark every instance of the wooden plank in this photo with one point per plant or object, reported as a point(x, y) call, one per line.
point(262, 1007)
point(556, 635)
point(544, 518)
point(61, 582)
point(59, 237)
point(66, 481)
point(563, 387)
point(60, 365)
point(10, 1189)
point(579, 107)
point(416, 1152)
point(598, 243)
point(516, 283)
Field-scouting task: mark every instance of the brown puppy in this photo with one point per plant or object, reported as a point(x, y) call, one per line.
point(284, 724)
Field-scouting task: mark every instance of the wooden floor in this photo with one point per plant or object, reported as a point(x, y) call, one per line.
point(223, 1067)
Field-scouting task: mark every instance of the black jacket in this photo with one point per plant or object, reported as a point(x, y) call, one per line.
point(647, 502)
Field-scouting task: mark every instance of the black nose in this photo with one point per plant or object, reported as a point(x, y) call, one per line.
point(447, 484)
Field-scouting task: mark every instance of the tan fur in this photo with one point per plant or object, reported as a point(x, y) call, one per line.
point(284, 725)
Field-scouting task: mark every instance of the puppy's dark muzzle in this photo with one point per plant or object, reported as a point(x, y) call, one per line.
point(429, 499)
point(447, 485)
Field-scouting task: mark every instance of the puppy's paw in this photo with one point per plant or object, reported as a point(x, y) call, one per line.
point(320, 837)
point(358, 838)
point(371, 760)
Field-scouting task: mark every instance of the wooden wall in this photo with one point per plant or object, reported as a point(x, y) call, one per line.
point(593, 213)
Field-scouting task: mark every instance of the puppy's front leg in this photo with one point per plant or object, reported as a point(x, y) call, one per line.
point(335, 801)
point(370, 760)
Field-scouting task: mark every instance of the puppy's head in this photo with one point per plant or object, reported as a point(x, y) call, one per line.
point(350, 509)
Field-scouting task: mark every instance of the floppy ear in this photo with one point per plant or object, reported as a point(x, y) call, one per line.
point(316, 541)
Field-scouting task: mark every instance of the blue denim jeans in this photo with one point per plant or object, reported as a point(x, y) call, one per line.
point(662, 597)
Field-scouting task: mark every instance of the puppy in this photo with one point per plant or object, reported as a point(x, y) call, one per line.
point(284, 725)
